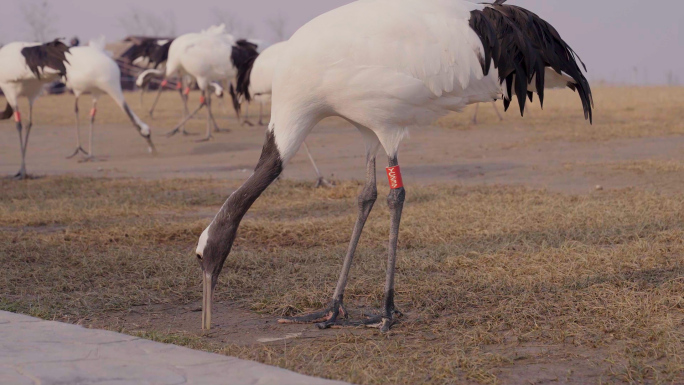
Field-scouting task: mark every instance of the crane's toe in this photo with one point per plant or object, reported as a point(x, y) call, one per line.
point(78, 150)
point(323, 319)
point(88, 159)
point(322, 182)
point(207, 139)
point(382, 322)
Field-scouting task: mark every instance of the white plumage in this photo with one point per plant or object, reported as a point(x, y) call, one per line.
point(387, 66)
point(91, 70)
point(261, 76)
point(206, 57)
point(405, 69)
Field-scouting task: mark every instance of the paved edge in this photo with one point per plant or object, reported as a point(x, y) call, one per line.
point(34, 351)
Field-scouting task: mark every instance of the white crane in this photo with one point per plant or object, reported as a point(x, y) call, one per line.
point(90, 69)
point(387, 66)
point(209, 57)
point(24, 69)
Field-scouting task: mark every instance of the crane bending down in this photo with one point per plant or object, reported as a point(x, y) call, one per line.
point(90, 69)
point(25, 69)
point(386, 66)
point(255, 80)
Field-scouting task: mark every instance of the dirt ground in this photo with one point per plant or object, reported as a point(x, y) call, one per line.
point(543, 150)
point(562, 260)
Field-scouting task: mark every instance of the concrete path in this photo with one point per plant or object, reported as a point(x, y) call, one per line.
point(33, 351)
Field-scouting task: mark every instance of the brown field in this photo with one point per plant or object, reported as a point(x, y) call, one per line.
point(514, 266)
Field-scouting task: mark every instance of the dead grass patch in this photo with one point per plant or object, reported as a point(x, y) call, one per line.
point(621, 112)
point(484, 273)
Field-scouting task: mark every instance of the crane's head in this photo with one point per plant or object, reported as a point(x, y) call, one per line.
point(217, 239)
point(142, 127)
point(212, 250)
point(146, 133)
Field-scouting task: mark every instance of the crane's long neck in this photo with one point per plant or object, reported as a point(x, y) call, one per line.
point(134, 118)
point(223, 230)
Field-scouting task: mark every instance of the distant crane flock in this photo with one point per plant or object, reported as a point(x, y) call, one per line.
point(385, 66)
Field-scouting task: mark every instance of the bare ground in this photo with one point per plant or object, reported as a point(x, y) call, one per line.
point(541, 151)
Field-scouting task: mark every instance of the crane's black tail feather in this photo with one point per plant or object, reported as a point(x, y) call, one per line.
point(243, 57)
point(522, 46)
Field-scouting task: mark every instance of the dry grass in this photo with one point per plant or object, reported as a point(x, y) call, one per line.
point(484, 274)
point(621, 112)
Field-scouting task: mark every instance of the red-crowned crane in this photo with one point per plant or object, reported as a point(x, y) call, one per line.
point(24, 69)
point(90, 69)
point(387, 66)
point(209, 57)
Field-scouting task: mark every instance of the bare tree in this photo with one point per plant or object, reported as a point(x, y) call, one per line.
point(39, 19)
point(145, 23)
point(234, 26)
point(278, 27)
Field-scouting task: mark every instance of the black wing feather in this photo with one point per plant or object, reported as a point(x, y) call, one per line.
point(150, 49)
point(522, 45)
point(51, 55)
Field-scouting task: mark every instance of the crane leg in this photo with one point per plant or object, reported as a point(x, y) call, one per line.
point(497, 112)
point(390, 314)
point(246, 121)
point(211, 115)
point(321, 181)
point(79, 148)
point(330, 317)
point(22, 145)
point(177, 129)
point(206, 101)
point(156, 100)
point(477, 109)
point(93, 113)
point(185, 97)
point(23, 141)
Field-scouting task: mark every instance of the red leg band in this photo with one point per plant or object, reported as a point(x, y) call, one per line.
point(394, 176)
point(164, 83)
point(202, 99)
point(179, 86)
point(93, 111)
point(187, 91)
point(17, 117)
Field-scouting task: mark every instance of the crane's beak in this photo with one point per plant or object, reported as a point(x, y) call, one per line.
point(207, 299)
point(151, 148)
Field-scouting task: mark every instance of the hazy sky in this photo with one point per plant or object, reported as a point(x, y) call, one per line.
point(613, 37)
